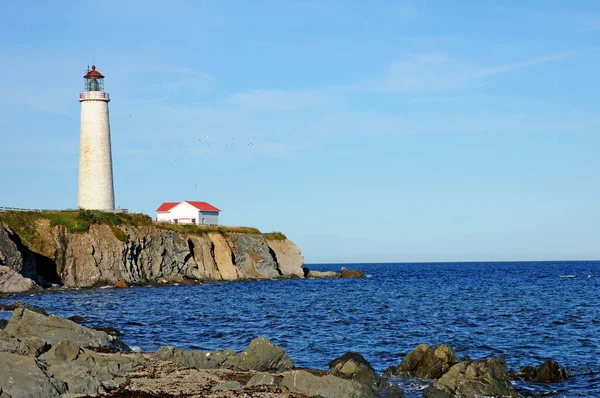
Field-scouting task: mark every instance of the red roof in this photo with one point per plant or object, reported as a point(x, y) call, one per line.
point(203, 206)
point(93, 73)
point(167, 206)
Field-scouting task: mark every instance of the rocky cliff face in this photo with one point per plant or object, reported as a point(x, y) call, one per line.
point(149, 255)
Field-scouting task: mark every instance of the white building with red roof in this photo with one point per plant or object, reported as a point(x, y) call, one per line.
point(188, 212)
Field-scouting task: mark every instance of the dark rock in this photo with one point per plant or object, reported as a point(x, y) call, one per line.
point(392, 391)
point(228, 386)
point(465, 358)
point(328, 386)
point(306, 271)
point(52, 329)
point(425, 362)
point(108, 330)
point(352, 365)
point(261, 355)
point(261, 379)
point(3, 323)
point(473, 379)
point(346, 273)
point(194, 358)
point(548, 372)
point(77, 319)
point(25, 377)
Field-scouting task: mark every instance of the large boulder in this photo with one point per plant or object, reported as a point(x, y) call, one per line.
point(473, 379)
point(288, 256)
point(548, 372)
point(52, 329)
point(13, 282)
point(194, 358)
point(352, 365)
point(86, 371)
point(322, 274)
point(425, 362)
point(327, 386)
point(355, 273)
point(26, 377)
point(261, 355)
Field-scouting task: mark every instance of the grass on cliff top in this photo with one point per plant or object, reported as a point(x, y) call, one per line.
point(275, 236)
point(24, 222)
point(191, 229)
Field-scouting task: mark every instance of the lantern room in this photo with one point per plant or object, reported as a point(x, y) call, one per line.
point(94, 81)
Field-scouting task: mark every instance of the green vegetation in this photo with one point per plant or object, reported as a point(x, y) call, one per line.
point(275, 236)
point(24, 223)
point(191, 229)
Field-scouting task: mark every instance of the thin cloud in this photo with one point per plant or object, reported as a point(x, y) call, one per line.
point(432, 72)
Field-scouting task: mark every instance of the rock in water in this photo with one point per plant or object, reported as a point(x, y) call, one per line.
point(25, 377)
point(425, 363)
point(473, 379)
point(13, 282)
point(261, 355)
point(352, 365)
point(323, 274)
point(328, 386)
point(548, 372)
point(52, 329)
point(346, 273)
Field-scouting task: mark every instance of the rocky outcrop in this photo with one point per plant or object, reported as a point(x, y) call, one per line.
point(52, 329)
point(425, 362)
point(26, 377)
point(261, 355)
point(194, 358)
point(355, 273)
point(288, 256)
point(486, 378)
point(352, 365)
point(13, 282)
point(327, 386)
point(148, 255)
point(548, 372)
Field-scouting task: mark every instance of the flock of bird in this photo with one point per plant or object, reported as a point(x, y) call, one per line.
point(208, 143)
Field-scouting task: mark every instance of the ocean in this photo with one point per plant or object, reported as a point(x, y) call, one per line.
point(522, 311)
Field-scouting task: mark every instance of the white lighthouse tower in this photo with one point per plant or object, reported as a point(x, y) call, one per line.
point(96, 191)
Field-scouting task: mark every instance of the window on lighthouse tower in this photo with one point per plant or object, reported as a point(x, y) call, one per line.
point(94, 81)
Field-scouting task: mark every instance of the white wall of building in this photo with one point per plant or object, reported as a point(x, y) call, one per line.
point(185, 213)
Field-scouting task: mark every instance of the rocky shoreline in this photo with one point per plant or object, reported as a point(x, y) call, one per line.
point(44, 355)
point(125, 255)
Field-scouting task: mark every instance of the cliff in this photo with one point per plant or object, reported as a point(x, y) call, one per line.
point(83, 251)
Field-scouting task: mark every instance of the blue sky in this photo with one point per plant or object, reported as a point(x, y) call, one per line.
point(381, 131)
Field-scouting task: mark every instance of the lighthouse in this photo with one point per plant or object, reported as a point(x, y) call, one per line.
point(96, 191)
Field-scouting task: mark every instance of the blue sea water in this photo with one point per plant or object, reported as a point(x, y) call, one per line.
point(524, 312)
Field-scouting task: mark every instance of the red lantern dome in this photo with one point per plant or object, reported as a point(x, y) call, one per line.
point(93, 74)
